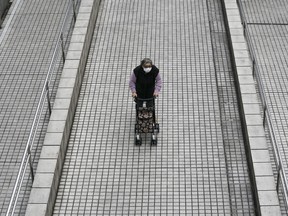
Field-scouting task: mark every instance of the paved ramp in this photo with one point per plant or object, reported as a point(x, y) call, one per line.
point(104, 172)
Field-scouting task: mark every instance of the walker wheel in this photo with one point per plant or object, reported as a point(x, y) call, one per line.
point(138, 140)
point(154, 142)
point(135, 128)
point(157, 128)
point(153, 139)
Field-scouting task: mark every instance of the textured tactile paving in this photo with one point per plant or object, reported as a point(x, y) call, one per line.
point(104, 172)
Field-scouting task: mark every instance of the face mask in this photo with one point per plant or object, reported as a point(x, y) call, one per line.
point(147, 70)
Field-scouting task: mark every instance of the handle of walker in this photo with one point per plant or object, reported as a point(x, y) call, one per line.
point(145, 99)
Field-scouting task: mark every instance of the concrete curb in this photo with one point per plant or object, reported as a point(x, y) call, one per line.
point(265, 194)
point(48, 173)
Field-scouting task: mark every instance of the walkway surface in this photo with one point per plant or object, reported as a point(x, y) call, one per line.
point(198, 166)
point(26, 49)
point(268, 24)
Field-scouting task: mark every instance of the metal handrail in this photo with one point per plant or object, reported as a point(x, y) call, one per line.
point(266, 112)
point(40, 107)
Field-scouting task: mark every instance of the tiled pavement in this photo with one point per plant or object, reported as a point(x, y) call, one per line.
point(268, 24)
point(26, 49)
point(104, 173)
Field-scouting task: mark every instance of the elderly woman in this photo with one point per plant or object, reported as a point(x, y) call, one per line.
point(145, 81)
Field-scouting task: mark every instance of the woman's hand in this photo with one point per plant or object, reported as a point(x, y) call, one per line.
point(134, 94)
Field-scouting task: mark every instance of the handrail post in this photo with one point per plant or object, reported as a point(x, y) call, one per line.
point(253, 67)
point(244, 27)
point(74, 10)
point(278, 177)
point(30, 164)
point(48, 98)
point(264, 115)
point(62, 46)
